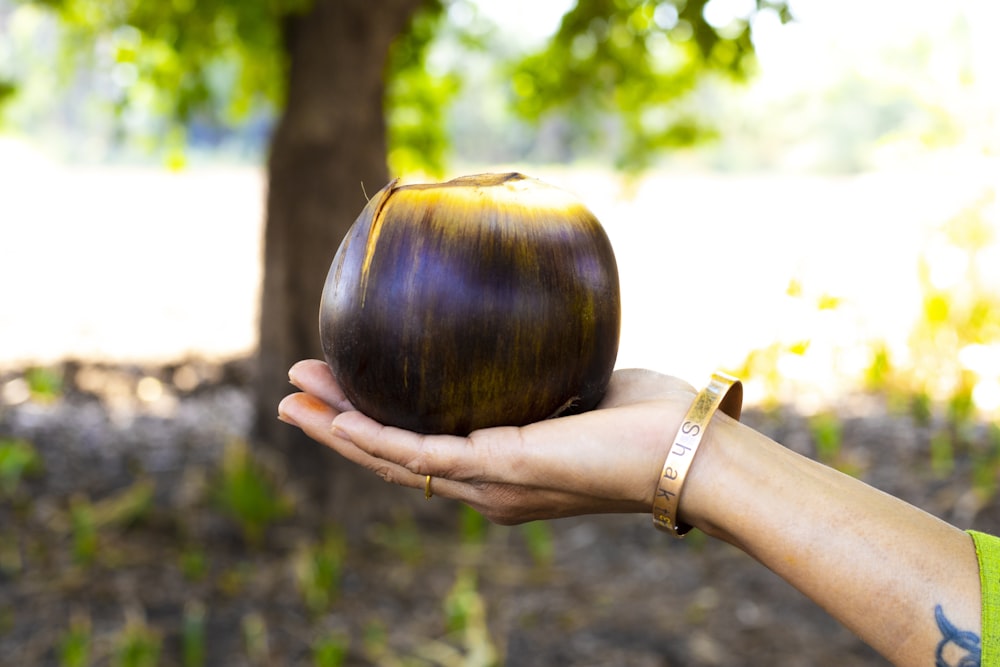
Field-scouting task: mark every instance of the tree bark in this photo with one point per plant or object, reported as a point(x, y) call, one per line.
point(327, 151)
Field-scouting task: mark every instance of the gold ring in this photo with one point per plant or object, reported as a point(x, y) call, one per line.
point(427, 488)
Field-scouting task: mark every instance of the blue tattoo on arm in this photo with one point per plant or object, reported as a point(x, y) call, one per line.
point(957, 648)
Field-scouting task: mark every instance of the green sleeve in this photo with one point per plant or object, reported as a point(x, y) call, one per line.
point(988, 553)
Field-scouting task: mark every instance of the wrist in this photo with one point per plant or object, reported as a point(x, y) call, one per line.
point(722, 393)
point(712, 478)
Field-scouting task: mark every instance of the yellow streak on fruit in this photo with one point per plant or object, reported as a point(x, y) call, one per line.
point(472, 192)
point(378, 216)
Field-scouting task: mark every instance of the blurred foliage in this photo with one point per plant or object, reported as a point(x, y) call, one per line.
point(880, 369)
point(193, 563)
point(955, 345)
point(375, 640)
point(75, 644)
point(416, 98)
point(18, 459)
point(942, 454)
point(472, 526)
point(179, 58)
point(330, 651)
point(137, 645)
point(84, 530)
point(637, 61)
point(147, 76)
point(255, 639)
point(465, 614)
point(88, 519)
point(317, 569)
point(249, 493)
point(131, 505)
point(401, 537)
point(538, 537)
point(11, 564)
point(767, 365)
point(827, 432)
point(986, 465)
point(947, 375)
point(193, 635)
point(621, 73)
point(44, 384)
point(7, 91)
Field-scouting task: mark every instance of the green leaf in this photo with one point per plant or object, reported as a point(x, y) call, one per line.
point(18, 458)
point(8, 89)
point(247, 493)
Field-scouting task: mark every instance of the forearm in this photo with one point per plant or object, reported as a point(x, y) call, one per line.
point(875, 563)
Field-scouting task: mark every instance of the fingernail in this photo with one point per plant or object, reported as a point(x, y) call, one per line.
point(338, 432)
point(283, 415)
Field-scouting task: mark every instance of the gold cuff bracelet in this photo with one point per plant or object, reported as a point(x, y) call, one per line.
point(723, 392)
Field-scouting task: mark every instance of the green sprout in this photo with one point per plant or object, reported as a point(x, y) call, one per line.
point(248, 494)
point(472, 526)
point(138, 645)
point(255, 638)
point(74, 646)
point(942, 454)
point(45, 384)
point(317, 571)
point(465, 614)
point(84, 529)
point(193, 635)
point(18, 459)
point(827, 433)
point(401, 537)
point(330, 651)
point(986, 465)
point(193, 563)
point(376, 641)
point(87, 519)
point(538, 537)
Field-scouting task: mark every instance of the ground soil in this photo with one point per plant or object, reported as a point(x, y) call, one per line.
point(416, 589)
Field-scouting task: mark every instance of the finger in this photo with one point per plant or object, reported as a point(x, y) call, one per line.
point(308, 412)
point(446, 458)
point(486, 456)
point(506, 487)
point(314, 416)
point(418, 453)
point(314, 377)
point(582, 453)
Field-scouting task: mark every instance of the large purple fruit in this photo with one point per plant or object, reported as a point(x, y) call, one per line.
point(483, 301)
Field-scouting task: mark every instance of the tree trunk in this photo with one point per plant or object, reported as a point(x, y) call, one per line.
point(328, 150)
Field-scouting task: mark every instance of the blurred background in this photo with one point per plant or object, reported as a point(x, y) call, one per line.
point(848, 184)
point(816, 183)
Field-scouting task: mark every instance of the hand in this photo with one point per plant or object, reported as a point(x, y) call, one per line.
point(605, 460)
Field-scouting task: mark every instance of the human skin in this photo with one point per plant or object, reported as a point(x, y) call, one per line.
point(901, 579)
